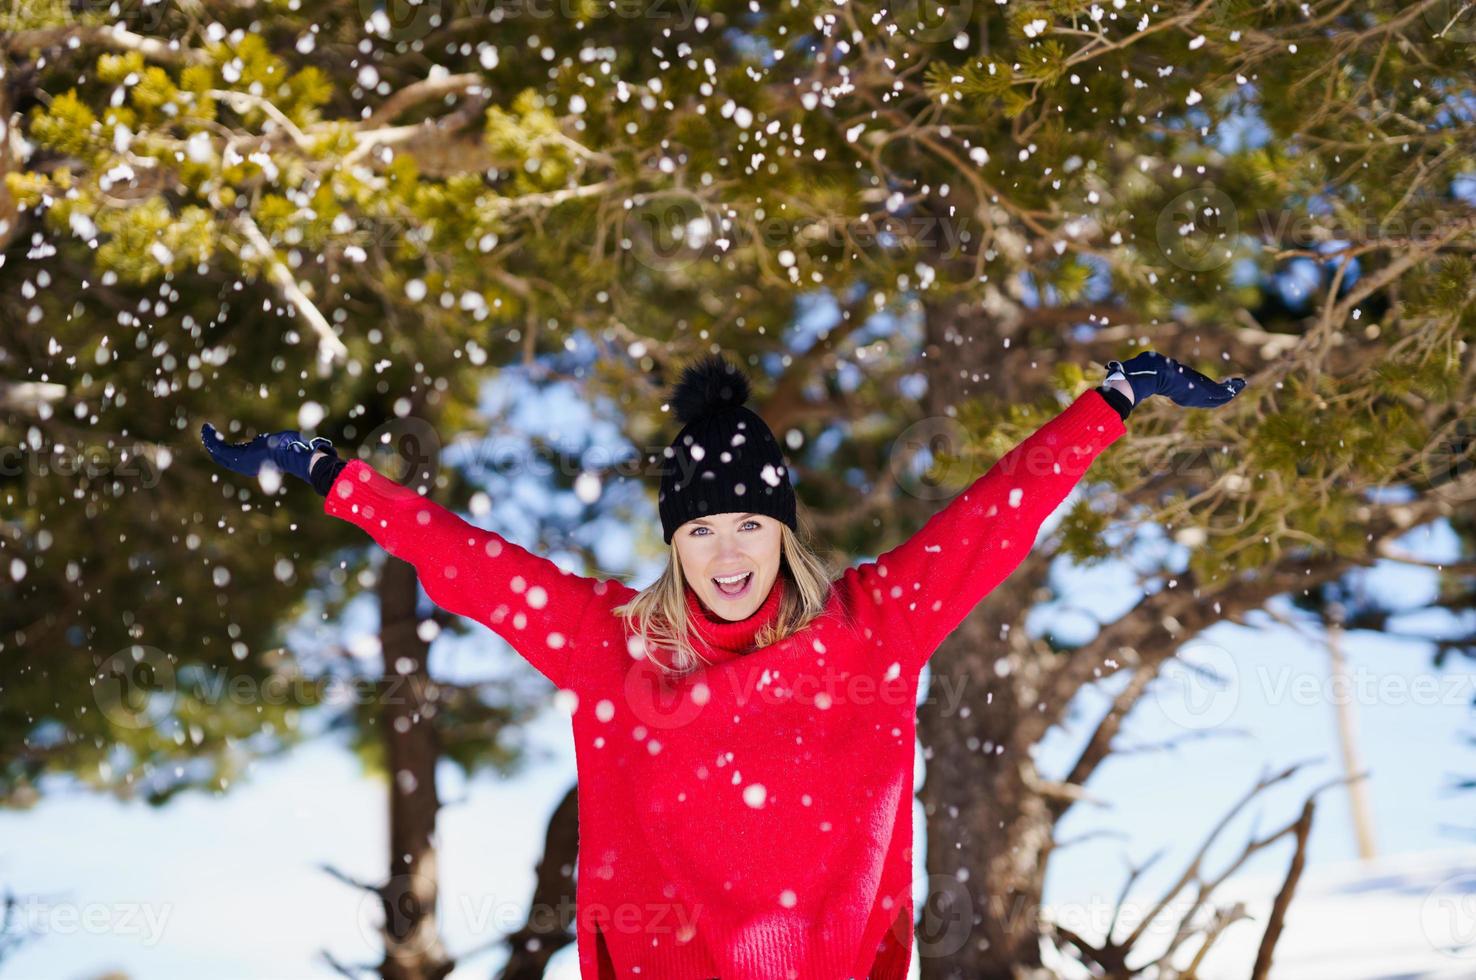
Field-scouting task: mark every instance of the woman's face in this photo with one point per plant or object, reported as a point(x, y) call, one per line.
point(725, 546)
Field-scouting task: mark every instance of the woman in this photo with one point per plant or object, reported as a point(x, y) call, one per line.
point(744, 726)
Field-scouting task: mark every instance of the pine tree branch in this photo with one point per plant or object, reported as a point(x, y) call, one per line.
point(116, 38)
point(239, 99)
point(330, 348)
point(551, 199)
point(1388, 549)
point(1102, 46)
point(417, 92)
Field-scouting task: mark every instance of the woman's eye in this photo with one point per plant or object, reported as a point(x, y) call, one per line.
point(745, 524)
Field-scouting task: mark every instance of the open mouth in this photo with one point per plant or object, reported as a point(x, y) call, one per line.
point(734, 588)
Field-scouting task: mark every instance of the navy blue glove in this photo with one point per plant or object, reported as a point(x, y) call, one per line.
point(1151, 373)
point(285, 450)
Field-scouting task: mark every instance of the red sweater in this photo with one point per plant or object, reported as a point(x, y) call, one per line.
point(753, 820)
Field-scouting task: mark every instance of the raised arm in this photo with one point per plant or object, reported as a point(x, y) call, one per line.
point(920, 591)
point(526, 599)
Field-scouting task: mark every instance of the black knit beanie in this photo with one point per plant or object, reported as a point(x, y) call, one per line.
point(725, 460)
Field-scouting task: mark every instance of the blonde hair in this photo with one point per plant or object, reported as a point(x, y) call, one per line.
point(658, 614)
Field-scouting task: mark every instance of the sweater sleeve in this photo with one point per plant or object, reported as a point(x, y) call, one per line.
point(918, 592)
point(526, 599)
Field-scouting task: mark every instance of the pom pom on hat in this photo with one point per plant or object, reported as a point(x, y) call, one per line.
point(710, 386)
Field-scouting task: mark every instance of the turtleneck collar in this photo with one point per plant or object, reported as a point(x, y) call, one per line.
point(725, 639)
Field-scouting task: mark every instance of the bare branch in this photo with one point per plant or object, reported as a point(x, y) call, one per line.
point(30, 396)
point(1169, 744)
point(417, 92)
point(1060, 845)
point(239, 99)
point(1387, 549)
point(330, 348)
point(1208, 887)
point(1302, 828)
point(1222, 920)
point(1161, 623)
point(1134, 873)
point(350, 880)
point(429, 134)
point(1056, 794)
point(1100, 743)
point(1191, 873)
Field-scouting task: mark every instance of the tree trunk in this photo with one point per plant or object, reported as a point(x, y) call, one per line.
point(412, 945)
point(988, 832)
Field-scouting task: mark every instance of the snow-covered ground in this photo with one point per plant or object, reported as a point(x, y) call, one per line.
point(1400, 916)
point(1404, 916)
point(235, 884)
